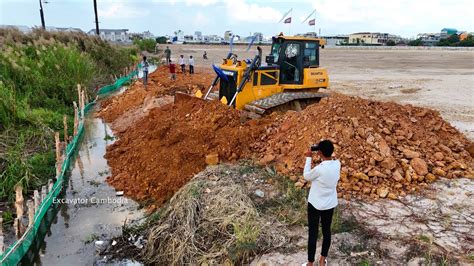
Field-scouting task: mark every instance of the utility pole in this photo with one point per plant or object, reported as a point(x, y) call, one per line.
point(96, 18)
point(43, 25)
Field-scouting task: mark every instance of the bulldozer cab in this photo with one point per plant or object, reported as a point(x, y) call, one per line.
point(292, 55)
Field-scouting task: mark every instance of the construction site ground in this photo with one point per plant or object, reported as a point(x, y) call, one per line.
point(407, 174)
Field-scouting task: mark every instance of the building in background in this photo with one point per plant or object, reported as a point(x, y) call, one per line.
point(178, 37)
point(112, 35)
point(198, 36)
point(188, 38)
point(372, 38)
point(22, 28)
point(336, 40)
point(446, 32)
point(429, 39)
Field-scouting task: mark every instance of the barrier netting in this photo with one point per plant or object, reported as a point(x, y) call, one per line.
point(15, 252)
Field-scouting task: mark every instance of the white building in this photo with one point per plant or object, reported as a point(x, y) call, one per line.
point(198, 36)
point(112, 35)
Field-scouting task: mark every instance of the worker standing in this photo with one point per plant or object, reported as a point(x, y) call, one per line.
point(168, 54)
point(191, 64)
point(145, 65)
point(322, 198)
point(172, 70)
point(182, 64)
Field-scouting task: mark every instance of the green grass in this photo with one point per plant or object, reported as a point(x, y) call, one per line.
point(40, 72)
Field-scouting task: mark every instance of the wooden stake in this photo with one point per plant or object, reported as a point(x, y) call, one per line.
point(43, 193)
point(19, 200)
point(37, 199)
point(31, 212)
point(16, 227)
point(58, 154)
point(79, 94)
point(76, 118)
point(2, 244)
point(66, 138)
point(82, 104)
point(50, 185)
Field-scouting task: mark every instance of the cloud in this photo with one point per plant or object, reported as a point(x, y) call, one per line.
point(122, 11)
point(200, 19)
point(241, 11)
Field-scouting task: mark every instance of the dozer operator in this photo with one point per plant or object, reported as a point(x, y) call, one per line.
point(291, 79)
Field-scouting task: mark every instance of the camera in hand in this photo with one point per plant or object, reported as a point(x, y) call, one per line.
point(314, 147)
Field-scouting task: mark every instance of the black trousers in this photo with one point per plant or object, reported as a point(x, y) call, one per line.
point(314, 216)
point(145, 77)
point(183, 68)
point(191, 69)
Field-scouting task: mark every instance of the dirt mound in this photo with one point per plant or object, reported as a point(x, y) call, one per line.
point(386, 149)
point(162, 151)
point(159, 84)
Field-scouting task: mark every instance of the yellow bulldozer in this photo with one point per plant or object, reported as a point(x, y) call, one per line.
point(291, 78)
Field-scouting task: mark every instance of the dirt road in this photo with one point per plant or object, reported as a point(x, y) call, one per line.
point(438, 79)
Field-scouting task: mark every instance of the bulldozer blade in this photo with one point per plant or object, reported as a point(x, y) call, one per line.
point(180, 97)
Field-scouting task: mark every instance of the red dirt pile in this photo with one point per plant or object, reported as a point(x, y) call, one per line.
point(159, 84)
point(386, 149)
point(161, 152)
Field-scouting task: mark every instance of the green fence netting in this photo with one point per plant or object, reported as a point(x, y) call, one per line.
point(14, 253)
point(118, 84)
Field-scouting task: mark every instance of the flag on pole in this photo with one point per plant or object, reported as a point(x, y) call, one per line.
point(310, 14)
point(312, 22)
point(286, 14)
point(288, 20)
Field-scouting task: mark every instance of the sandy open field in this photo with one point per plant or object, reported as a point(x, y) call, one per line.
point(438, 79)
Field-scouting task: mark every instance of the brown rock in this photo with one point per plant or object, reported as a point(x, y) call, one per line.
point(419, 166)
point(285, 126)
point(397, 176)
point(457, 165)
point(299, 184)
point(389, 163)
point(384, 148)
point(347, 133)
point(409, 154)
point(212, 159)
point(382, 192)
point(361, 176)
point(267, 159)
point(470, 149)
point(366, 190)
point(438, 156)
point(408, 176)
point(439, 172)
point(430, 178)
point(392, 195)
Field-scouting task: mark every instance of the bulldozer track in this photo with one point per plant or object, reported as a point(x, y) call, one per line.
point(270, 103)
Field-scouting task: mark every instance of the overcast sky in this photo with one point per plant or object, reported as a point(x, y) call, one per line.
point(161, 17)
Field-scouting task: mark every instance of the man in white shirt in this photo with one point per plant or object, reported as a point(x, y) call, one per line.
point(322, 198)
point(191, 64)
point(182, 64)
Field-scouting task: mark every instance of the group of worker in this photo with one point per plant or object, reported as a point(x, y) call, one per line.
point(181, 62)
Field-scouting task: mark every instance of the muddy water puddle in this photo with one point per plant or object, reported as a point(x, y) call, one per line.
point(89, 210)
